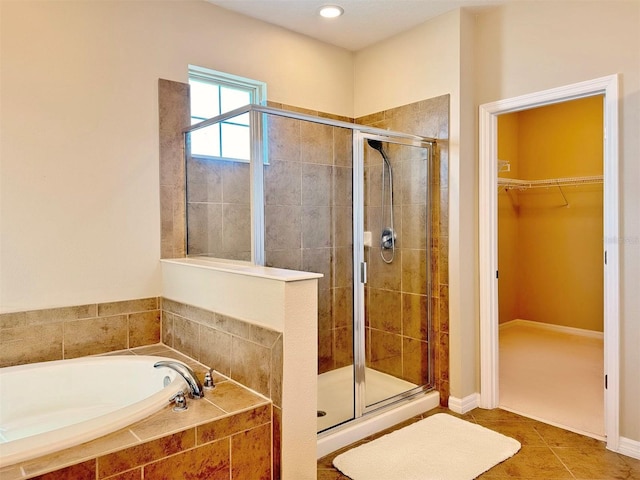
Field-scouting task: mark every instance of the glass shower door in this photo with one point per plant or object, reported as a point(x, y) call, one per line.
point(396, 240)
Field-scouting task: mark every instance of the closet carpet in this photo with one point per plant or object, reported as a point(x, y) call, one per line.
point(554, 377)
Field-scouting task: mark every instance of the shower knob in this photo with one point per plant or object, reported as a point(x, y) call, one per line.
point(388, 238)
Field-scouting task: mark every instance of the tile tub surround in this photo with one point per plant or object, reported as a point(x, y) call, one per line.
point(226, 435)
point(76, 331)
point(249, 354)
point(251, 303)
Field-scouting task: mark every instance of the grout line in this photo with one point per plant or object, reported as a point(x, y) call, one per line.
point(560, 460)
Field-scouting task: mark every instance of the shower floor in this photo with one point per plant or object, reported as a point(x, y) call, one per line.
point(335, 393)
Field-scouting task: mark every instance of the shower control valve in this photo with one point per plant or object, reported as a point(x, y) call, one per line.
point(388, 238)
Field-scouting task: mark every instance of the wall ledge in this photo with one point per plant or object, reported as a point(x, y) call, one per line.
point(244, 268)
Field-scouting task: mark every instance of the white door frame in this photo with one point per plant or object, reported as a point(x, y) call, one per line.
point(488, 239)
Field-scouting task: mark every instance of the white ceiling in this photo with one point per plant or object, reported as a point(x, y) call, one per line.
point(364, 22)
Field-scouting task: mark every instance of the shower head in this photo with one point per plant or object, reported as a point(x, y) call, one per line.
point(377, 144)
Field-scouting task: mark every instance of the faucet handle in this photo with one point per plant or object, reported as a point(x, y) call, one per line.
point(180, 402)
point(208, 381)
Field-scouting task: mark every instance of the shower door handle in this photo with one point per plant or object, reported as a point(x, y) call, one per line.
point(363, 272)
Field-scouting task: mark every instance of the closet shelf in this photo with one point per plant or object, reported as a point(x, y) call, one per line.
point(550, 182)
point(516, 184)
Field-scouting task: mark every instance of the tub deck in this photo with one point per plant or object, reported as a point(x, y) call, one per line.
point(150, 443)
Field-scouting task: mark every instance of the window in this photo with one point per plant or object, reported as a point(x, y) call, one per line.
point(212, 94)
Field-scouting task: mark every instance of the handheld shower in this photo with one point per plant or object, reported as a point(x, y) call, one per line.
point(388, 235)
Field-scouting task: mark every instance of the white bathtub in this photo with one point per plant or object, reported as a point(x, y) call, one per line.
point(49, 406)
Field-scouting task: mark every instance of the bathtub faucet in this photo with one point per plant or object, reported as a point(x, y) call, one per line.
point(195, 387)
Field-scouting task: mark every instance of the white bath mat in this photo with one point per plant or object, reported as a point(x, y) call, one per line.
point(440, 447)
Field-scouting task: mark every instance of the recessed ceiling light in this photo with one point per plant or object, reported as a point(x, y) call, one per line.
point(331, 11)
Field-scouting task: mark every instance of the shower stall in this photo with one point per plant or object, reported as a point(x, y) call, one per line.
point(345, 200)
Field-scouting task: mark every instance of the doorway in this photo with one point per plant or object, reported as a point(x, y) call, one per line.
point(550, 287)
point(489, 299)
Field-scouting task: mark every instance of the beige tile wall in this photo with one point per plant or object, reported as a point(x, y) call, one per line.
point(69, 332)
point(219, 210)
point(174, 116)
point(249, 354)
point(308, 220)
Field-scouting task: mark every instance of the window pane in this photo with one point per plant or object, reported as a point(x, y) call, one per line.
point(233, 98)
point(236, 141)
point(206, 141)
point(204, 99)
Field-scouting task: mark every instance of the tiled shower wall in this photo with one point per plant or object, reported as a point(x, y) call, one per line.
point(219, 210)
point(308, 212)
point(397, 293)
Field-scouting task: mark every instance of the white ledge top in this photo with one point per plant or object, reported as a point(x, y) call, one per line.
point(244, 268)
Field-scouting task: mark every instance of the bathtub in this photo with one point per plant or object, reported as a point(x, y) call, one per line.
point(50, 406)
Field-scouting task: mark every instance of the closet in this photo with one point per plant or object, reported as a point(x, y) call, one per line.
point(550, 262)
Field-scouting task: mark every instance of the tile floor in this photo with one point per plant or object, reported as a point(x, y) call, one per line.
point(547, 452)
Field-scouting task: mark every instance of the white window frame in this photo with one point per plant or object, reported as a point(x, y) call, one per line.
point(257, 89)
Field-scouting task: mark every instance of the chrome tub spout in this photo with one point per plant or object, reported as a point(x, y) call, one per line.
point(195, 387)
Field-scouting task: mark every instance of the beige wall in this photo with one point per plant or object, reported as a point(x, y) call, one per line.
point(79, 205)
point(530, 46)
point(420, 63)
